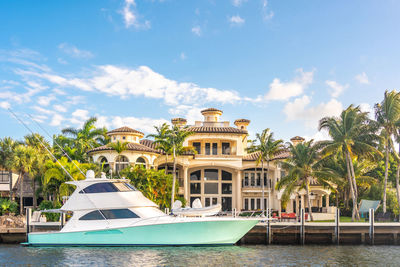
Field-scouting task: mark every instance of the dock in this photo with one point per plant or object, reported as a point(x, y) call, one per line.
point(324, 234)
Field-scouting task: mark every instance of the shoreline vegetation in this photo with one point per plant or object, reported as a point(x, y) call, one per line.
point(360, 161)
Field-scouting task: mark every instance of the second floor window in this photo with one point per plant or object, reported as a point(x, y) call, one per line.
point(208, 149)
point(226, 149)
point(197, 147)
point(215, 149)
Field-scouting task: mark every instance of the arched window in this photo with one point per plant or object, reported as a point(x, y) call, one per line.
point(105, 167)
point(141, 162)
point(121, 163)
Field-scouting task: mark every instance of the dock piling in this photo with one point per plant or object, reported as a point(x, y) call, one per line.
point(337, 227)
point(371, 226)
point(302, 228)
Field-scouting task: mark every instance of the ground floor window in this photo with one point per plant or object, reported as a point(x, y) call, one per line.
point(254, 203)
point(211, 186)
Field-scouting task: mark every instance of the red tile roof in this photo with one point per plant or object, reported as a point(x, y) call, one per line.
point(130, 146)
point(206, 129)
point(253, 156)
point(125, 130)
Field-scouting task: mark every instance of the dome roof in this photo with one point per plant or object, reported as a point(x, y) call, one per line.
point(124, 130)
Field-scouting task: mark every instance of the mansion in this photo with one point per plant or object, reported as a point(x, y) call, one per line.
point(221, 172)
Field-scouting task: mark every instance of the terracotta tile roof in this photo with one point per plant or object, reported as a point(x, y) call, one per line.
point(125, 130)
point(297, 138)
point(211, 109)
point(130, 146)
point(242, 120)
point(206, 129)
point(253, 156)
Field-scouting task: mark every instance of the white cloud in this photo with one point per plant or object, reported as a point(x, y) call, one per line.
point(365, 107)
point(131, 17)
point(143, 124)
point(362, 78)
point(337, 89)
point(238, 3)
point(62, 61)
point(60, 108)
point(45, 100)
point(182, 56)
point(299, 110)
point(318, 136)
point(143, 81)
point(196, 30)
point(189, 112)
point(5, 105)
point(236, 20)
point(285, 90)
point(267, 14)
point(56, 120)
point(73, 51)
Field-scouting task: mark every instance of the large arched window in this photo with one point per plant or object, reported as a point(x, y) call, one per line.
point(121, 163)
point(141, 162)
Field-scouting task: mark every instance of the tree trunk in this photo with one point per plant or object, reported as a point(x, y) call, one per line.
point(173, 181)
point(355, 187)
point(166, 164)
point(262, 188)
point(309, 201)
point(353, 215)
point(386, 174)
point(21, 193)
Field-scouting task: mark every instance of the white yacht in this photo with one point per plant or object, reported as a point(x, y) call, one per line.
point(111, 212)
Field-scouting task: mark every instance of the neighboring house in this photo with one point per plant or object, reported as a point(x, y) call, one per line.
point(8, 183)
point(221, 171)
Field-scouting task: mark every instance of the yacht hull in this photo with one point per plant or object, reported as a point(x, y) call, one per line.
point(196, 233)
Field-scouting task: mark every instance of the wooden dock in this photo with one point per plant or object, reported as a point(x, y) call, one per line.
point(324, 234)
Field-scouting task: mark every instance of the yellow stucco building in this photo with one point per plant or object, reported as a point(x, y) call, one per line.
point(221, 172)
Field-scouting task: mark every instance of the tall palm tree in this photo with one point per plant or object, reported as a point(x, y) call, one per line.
point(388, 116)
point(22, 162)
point(266, 149)
point(86, 138)
point(175, 137)
point(119, 147)
point(160, 139)
point(353, 135)
point(303, 168)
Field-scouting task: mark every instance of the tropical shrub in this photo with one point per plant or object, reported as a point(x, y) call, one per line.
point(155, 185)
point(7, 206)
point(46, 205)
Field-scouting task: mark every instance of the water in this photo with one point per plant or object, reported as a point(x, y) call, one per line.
point(11, 255)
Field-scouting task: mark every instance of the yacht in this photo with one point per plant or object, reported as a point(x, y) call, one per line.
point(111, 212)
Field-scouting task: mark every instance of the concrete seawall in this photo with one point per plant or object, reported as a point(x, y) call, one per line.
point(289, 233)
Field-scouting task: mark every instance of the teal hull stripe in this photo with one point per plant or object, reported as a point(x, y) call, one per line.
point(173, 234)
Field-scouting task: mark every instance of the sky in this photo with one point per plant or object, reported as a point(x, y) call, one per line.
point(281, 64)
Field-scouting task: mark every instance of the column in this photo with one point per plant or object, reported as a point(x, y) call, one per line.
point(327, 202)
point(297, 205)
point(302, 202)
point(238, 190)
point(185, 183)
point(280, 207)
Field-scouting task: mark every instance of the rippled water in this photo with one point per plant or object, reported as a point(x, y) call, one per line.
point(11, 255)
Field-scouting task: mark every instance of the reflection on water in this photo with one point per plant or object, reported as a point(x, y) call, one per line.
point(11, 255)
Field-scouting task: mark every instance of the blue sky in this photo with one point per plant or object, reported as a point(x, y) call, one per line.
point(281, 64)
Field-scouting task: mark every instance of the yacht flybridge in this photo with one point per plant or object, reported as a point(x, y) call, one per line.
point(111, 212)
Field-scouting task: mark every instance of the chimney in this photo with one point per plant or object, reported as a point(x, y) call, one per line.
point(297, 140)
point(242, 123)
point(180, 122)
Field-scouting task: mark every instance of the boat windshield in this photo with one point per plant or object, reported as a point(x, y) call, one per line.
point(109, 215)
point(108, 187)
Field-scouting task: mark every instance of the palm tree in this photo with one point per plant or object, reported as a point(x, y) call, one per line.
point(353, 135)
point(266, 150)
point(304, 168)
point(160, 139)
point(88, 137)
point(22, 162)
point(176, 137)
point(388, 116)
point(338, 167)
point(119, 147)
point(55, 176)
